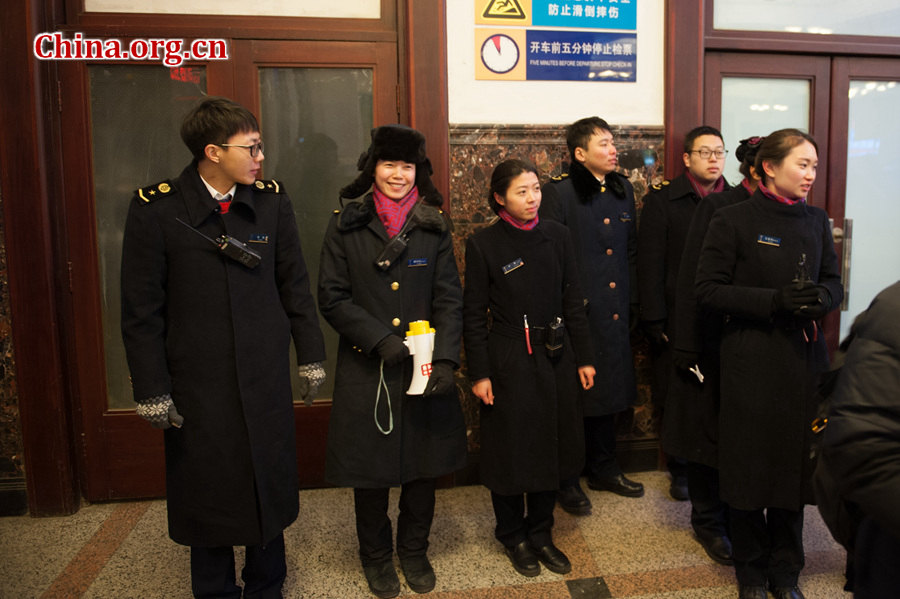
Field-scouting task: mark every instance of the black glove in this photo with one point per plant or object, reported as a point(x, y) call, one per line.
point(684, 360)
point(392, 350)
point(789, 299)
point(655, 332)
point(441, 379)
point(819, 307)
point(312, 376)
point(160, 411)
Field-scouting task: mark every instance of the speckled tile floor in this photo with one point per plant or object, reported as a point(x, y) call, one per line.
point(636, 548)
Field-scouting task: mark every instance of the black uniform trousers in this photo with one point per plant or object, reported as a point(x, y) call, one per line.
point(373, 526)
point(514, 526)
point(212, 571)
point(600, 446)
point(709, 514)
point(767, 546)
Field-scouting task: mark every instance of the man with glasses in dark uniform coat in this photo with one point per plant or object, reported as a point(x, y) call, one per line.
point(664, 224)
point(207, 324)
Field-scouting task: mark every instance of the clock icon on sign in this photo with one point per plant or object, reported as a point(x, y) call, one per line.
point(499, 53)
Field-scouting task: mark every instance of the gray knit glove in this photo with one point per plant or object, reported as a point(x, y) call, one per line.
point(312, 376)
point(160, 411)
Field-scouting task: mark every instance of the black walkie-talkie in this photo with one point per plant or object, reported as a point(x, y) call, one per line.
point(233, 248)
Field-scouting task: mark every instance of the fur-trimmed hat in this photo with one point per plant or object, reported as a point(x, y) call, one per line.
point(395, 142)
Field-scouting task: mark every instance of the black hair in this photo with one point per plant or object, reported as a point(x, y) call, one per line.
point(213, 121)
point(746, 154)
point(777, 145)
point(696, 132)
point(503, 175)
point(579, 133)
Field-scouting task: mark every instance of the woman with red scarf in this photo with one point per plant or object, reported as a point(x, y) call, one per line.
point(528, 347)
point(768, 266)
point(387, 260)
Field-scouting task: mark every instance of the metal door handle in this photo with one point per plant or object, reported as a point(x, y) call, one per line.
point(845, 238)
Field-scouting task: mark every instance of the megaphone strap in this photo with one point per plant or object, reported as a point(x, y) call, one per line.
point(387, 392)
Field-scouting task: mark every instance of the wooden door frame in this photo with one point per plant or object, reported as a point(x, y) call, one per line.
point(689, 34)
point(50, 380)
point(815, 69)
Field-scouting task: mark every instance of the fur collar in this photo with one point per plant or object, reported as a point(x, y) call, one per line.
point(586, 184)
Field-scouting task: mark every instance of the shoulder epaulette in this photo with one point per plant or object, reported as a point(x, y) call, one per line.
point(155, 191)
point(270, 185)
point(559, 177)
point(659, 186)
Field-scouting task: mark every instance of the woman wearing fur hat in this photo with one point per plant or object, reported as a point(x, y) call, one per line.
point(387, 260)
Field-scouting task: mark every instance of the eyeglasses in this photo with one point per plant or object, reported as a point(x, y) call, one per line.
point(705, 153)
point(255, 149)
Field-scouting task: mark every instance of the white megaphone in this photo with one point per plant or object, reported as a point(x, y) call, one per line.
point(420, 341)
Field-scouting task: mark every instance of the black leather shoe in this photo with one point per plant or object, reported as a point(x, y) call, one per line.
point(553, 558)
point(787, 592)
point(617, 484)
point(523, 559)
point(382, 579)
point(718, 548)
point(573, 500)
point(679, 488)
point(419, 573)
point(752, 592)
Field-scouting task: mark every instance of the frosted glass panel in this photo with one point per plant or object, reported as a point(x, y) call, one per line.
point(136, 113)
point(316, 122)
point(825, 17)
point(758, 106)
point(873, 161)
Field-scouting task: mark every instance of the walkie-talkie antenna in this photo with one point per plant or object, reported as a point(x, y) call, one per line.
point(209, 239)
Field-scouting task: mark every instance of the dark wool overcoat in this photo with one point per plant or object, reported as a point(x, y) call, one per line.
point(365, 304)
point(665, 219)
point(691, 417)
point(858, 471)
point(769, 365)
point(532, 437)
point(601, 220)
point(216, 335)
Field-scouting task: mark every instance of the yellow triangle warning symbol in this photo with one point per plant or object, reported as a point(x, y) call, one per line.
point(503, 9)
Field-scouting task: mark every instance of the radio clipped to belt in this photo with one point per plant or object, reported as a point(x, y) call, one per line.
point(554, 338)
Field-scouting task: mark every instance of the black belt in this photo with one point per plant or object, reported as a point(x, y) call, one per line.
point(536, 334)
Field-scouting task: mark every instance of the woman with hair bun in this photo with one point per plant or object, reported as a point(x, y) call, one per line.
point(768, 267)
point(527, 346)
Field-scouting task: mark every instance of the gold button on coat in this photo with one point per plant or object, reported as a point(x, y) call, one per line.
point(615, 317)
point(396, 322)
point(395, 285)
point(612, 285)
point(605, 221)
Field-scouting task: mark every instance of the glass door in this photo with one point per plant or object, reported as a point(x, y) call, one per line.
point(316, 114)
point(756, 94)
point(866, 95)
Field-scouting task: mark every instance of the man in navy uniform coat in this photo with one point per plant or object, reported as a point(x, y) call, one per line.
point(597, 205)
